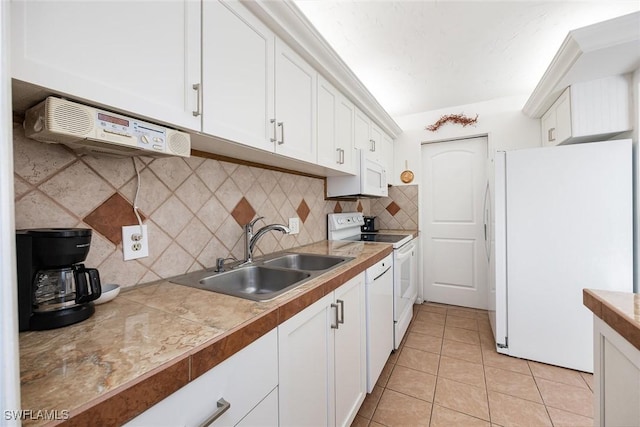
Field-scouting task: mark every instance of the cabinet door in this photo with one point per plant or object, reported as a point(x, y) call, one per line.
point(362, 125)
point(350, 351)
point(386, 157)
point(376, 143)
point(305, 344)
point(548, 127)
point(556, 122)
point(328, 152)
point(243, 380)
point(140, 57)
point(345, 133)
point(263, 415)
point(563, 117)
point(237, 71)
point(295, 105)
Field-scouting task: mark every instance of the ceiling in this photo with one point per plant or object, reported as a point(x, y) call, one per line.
point(417, 56)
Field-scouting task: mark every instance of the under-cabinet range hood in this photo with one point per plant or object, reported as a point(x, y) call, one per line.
point(369, 181)
point(88, 129)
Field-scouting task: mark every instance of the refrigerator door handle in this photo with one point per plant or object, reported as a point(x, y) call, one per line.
point(486, 219)
point(500, 232)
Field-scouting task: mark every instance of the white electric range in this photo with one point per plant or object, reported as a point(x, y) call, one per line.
point(346, 226)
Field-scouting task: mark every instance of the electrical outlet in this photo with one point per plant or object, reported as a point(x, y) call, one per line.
point(294, 225)
point(135, 244)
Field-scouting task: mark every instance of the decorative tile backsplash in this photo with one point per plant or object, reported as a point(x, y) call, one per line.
point(399, 211)
point(194, 208)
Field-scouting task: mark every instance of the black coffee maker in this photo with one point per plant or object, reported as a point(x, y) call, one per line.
point(54, 288)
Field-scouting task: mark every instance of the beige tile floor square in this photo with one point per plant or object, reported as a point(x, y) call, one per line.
point(447, 373)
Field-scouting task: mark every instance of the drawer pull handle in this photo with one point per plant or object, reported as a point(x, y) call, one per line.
point(551, 137)
point(339, 301)
point(335, 325)
point(223, 406)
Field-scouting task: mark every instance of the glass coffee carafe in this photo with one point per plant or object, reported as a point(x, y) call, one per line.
point(61, 288)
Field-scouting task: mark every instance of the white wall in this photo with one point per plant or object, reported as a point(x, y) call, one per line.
point(9, 371)
point(501, 119)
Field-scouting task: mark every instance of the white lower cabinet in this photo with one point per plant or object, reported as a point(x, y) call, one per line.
point(247, 381)
point(322, 360)
point(616, 377)
point(263, 415)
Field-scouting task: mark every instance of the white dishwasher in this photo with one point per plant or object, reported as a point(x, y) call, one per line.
point(379, 309)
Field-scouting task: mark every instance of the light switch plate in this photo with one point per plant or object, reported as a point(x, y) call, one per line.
point(135, 244)
point(294, 225)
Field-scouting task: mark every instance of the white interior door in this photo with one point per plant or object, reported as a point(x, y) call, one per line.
point(454, 257)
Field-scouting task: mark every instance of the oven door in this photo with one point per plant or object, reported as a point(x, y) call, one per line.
point(405, 288)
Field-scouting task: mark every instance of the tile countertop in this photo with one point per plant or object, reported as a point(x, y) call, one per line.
point(154, 339)
point(620, 310)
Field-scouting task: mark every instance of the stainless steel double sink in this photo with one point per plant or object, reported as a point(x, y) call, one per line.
point(263, 279)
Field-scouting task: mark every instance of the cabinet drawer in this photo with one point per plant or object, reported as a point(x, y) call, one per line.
point(243, 380)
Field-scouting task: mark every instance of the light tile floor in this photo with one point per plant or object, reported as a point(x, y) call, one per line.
point(447, 373)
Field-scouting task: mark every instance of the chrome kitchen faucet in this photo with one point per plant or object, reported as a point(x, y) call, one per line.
point(250, 239)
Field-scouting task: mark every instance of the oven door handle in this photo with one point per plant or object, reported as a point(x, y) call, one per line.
point(405, 251)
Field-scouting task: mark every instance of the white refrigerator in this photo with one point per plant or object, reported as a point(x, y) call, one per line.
point(563, 222)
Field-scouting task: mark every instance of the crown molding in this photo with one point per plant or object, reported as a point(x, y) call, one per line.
point(588, 53)
point(292, 26)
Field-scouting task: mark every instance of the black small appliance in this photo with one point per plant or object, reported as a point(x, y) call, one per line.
point(370, 224)
point(54, 288)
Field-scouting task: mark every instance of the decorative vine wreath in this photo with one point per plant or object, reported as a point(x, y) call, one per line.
point(460, 119)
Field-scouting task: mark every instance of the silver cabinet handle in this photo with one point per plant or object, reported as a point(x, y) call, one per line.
point(223, 406)
point(338, 150)
point(335, 325)
point(281, 125)
point(196, 87)
point(273, 122)
point(373, 145)
point(342, 156)
point(339, 301)
point(550, 136)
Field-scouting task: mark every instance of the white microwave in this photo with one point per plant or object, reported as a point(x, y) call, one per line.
point(370, 181)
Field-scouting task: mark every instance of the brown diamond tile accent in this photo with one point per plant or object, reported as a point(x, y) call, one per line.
point(360, 208)
point(338, 208)
point(303, 210)
point(243, 213)
point(393, 208)
point(109, 218)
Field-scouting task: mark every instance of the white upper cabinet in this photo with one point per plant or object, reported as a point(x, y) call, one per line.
point(295, 116)
point(588, 111)
point(257, 90)
point(377, 144)
point(362, 131)
point(375, 137)
point(139, 56)
point(238, 75)
point(335, 128)
point(387, 156)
